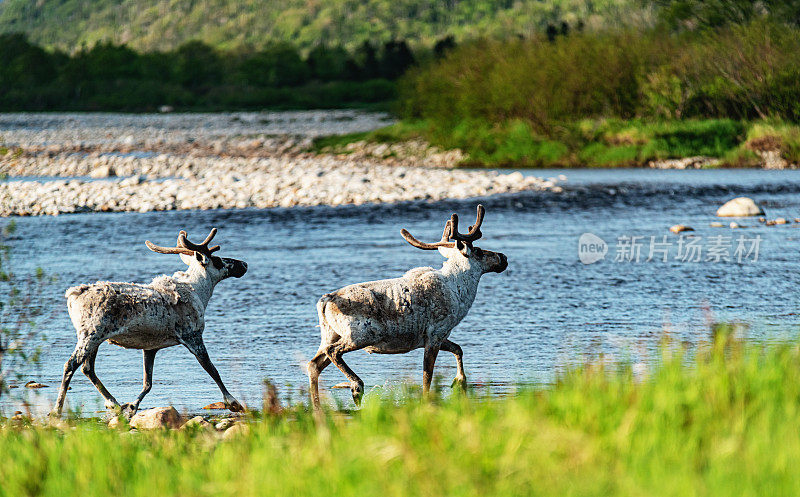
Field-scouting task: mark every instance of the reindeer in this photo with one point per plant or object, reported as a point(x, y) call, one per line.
point(168, 311)
point(418, 310)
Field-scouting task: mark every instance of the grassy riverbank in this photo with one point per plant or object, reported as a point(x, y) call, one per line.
point(721, 422)
point(593, 142)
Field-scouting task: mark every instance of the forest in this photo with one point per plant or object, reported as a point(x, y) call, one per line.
point(166, 24)
point(197, 76)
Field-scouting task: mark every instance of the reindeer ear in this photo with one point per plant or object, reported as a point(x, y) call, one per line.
point(201, 258)
point(463, 248)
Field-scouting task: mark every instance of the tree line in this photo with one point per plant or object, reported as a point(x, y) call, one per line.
point(109, 76)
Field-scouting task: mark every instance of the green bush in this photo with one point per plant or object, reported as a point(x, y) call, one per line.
point(579, 76)
point(740, 72)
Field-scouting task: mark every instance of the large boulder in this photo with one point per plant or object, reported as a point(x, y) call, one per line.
point(158, 417)
point(740, 207)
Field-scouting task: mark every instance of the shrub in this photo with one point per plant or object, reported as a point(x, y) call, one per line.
point(584, 75)
point(739, 72)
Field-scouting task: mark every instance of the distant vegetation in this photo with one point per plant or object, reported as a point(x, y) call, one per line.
point(718, 420)
point(537, 83)
point(738, 72)
point(197, 76)
point(620, 97)
point(166, 24)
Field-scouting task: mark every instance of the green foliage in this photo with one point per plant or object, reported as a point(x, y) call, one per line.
point(592, 142)
point(195, 75)
point(721, 420)
point(765, 136)
point(677, 94)
point(702, 14)
point(743, 72)
point(276, 65)
point(585, 75)
point(22, 64)
point(166, 24)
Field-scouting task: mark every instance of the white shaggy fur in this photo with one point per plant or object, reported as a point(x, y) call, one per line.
point(417, 310)
point(168, 311)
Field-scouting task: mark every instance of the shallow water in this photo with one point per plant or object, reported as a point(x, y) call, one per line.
point(548, 308)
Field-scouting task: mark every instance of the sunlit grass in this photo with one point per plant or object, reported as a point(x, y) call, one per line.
point(722, 419)
point(591, 142)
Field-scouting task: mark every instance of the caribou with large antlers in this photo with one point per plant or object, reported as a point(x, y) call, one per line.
point(168, 311)
point(418, 310)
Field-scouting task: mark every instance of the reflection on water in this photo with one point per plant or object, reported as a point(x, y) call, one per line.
point(546, 309)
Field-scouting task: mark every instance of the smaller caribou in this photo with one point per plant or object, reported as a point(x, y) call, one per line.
point(418, 310)
point(168, 311)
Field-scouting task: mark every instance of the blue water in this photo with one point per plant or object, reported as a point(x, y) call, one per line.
point(546, 310)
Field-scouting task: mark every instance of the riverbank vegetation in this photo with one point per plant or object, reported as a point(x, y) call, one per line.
point(591, 142)
point(718, 419)
point(614, 98)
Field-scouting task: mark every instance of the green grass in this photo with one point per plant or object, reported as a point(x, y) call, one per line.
point(721, 420)
point(591, 142)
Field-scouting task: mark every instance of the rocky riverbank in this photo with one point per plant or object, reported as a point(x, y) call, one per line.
point(85, 163)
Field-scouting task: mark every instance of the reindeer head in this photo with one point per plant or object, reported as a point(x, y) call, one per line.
point(462, 246)
point(201, 257)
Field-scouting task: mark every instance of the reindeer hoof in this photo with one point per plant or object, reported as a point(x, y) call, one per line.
point(358, 392)
point(459, 382)
point(128, 410)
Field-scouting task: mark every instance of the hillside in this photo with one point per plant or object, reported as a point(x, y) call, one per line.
point(165, 24)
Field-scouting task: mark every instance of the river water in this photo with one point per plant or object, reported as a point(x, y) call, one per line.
point(548, 309)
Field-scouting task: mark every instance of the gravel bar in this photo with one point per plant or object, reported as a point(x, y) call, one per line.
point(115, 162)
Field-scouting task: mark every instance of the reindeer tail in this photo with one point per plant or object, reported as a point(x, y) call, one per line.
point(324, 327)
point(75, 292)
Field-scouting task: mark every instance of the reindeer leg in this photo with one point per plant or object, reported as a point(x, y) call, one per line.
point(315, 366)
point(334, 353)
point(88, 370)
point(70, 367)
point(427, 368)
point(461, 378)
point(147, 383)
point(198, 348)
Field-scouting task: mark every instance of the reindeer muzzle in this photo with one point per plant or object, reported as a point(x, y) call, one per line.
point(503, 263)
point(238, 269)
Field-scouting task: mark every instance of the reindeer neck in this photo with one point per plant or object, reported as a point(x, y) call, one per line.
point(200, 281)
point(464, 275)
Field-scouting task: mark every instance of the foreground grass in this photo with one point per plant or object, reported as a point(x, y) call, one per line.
point(593, 143)
point(723, 421)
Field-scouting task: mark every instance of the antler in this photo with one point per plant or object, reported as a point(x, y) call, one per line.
point(185, 246)
point(430, 246)
point(474, 232)
point(203, 248)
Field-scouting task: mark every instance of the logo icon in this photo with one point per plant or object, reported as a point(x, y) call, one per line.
point(591, 248)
